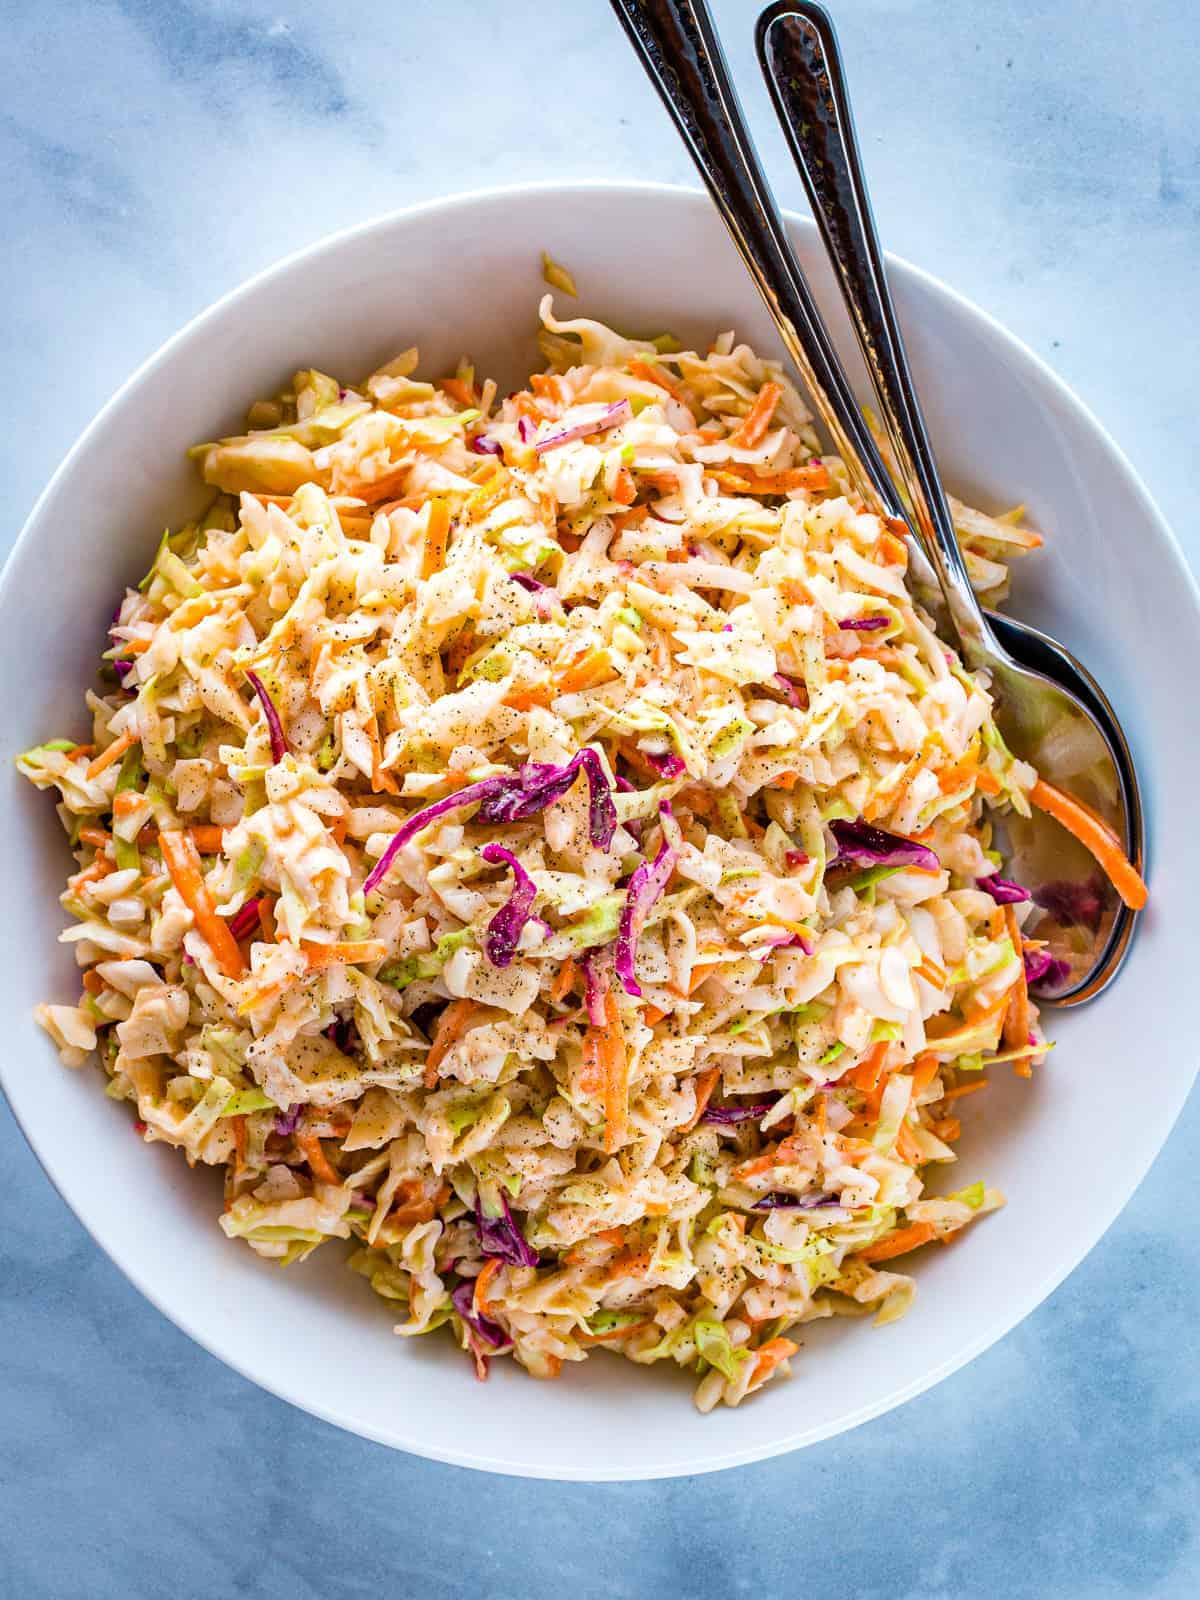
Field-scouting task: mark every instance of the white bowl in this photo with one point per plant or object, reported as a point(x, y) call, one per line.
point(1068, 1148)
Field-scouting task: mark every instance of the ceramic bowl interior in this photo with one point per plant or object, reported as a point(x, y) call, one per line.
point(1068, 1148)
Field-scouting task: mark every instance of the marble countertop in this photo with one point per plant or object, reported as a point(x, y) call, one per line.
point(1042, 158)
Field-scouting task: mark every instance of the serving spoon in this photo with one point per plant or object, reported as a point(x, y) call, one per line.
point(1049, 709)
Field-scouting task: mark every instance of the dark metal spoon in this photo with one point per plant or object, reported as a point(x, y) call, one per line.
point(678, 46)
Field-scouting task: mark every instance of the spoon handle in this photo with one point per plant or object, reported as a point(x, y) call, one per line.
point(800, 59)
point(677, 44)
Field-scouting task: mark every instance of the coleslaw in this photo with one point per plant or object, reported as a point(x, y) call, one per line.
point(539, 842)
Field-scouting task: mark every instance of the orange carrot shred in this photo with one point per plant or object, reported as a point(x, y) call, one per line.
point(758, 418)
point(479, 1298)
point(616, 1075)
point(1094, 835)
point(451, 1026)
point(899, 1243)
point(318, 1162)
point(114, 752)
point(355, 952)
point(767, 1357)
point(706, 1082)
point(187, 874)
point(458, 389)
point(649, 374)
point(437, 530)
point(964, 1089)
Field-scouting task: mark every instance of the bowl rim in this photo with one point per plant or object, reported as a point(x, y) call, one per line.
point(1168, 1109)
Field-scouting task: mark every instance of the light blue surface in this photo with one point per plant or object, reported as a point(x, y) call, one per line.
point(1043, 158)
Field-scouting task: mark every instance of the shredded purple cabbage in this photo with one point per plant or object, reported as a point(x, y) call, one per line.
point(624, 786)
point(527, 581)
point(874, 847)
point(1003, 890)
point(647, 884)
point(482, 445)
point(514, 797)
point(505, 928)
point(729, 1116)
point(245, 919)
point(863, 624)
point(616, 414)
point(1042, 967)
point(665, 763)
point(790, 690)
point(342, 1032)
point(525, 429)
point(1073, 904)
point(279, 744)
point(483, 1327)
point(500, 1236)
point(122, 668)
point(778, 1201)
point(789, 941)
point(288, 1121)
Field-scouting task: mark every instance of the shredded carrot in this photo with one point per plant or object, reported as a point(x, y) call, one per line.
point(93, 982)
point(947, 1042)
point(706, 1082)
point(629, 1264)
point(767, 1357)
point(266, 918)
point(931, 972)
point(925, 1070)
point(655, 375)
point(479, 1298)
point(437, 529)
point(1093, 833)
point(451, 1026)
point(208, 838)
point(458, 389)
point(907, 1148)
point(893, 552)
point(652, 1016)
point(525, 699)
point(591, 1078)
point(616, 1075)
point(382, 782)
point(899, 1243)
point(237, 1126)
point(187, 874)
point(758, 419)
point(354, 952)
point(1018, 1019)
point(865, 1076)
point(585, 672)
point(318, 1162)
point(624, 490)
point(820, 1119)
point(565, 980)
point(415, 1205)
point(114, 752)
point(98, 838)
point(813, 476)
point(81, 750)
point(784, 1154)
point(100, 868)
point(965, 1088)
point(699, 973)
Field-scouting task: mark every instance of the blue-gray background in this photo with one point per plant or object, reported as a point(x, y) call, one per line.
point(1043, 157)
